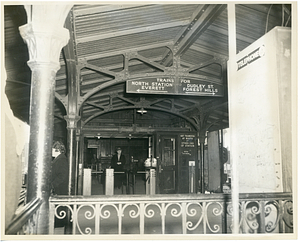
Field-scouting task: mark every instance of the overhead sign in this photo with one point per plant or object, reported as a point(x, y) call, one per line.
point(151, 85)
point(174, 86)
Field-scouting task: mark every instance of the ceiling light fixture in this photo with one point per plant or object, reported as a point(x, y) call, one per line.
point(142, 111)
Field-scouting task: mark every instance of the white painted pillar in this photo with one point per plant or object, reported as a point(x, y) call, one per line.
point(87, 182)
point(232, 122)
point(152, 181)
point(147, 177)
point(45, 37)
point(192, 175)
point(109, 182)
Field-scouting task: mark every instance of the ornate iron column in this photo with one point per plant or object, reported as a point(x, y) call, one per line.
point(202, 141)
point(77, 162)
point(72, 117)
point(45, 37)
point(71, 150)
point(80, 164)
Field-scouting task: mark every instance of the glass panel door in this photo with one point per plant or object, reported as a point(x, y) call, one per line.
point(167, 169)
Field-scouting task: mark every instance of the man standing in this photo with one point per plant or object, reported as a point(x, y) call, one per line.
point(118, 162)
point(60, 181)
point(60, 169)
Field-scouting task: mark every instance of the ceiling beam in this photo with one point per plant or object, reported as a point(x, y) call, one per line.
point(149, 61)
point(214, 104)
point(126, 100)
point(122, 132)
point(150, 108)
point(145, 118)
point(105, 71)
point(73, 74)
point(111, 67)
point(203, 18)
point(201, 22)
point(157, 101)
point(205, 64)
point(96, 105)
point(125, 50)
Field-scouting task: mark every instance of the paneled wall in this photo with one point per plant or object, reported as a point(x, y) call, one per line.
point(105, 148)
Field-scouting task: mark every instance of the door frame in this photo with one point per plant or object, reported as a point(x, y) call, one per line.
point(178, 149)
point(158, 154)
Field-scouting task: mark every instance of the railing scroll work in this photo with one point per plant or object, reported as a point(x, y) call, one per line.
point(173, 214)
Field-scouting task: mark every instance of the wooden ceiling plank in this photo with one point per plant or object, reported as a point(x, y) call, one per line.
point(132, 31)
point(94, 9)
point(208, 51)
point(204, 64)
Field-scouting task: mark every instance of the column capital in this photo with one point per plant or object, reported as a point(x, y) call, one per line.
point(44, 33)
point(44, 47)
point(72, 121)
point(202, 136)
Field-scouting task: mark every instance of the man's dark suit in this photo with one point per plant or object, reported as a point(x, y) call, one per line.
point(118, 165)
point(60, 184)
point(60, 175)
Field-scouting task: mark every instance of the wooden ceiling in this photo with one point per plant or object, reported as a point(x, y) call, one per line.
point(114, 42)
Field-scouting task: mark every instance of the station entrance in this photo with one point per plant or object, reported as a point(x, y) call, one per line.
point(174, 163)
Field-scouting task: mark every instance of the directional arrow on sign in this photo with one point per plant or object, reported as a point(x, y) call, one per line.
point(138, 90)
point(204, 93)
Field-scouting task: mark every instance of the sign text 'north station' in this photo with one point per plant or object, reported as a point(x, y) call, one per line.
point(174, 86)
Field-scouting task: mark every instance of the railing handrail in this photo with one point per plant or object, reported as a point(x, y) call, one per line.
point(22, 217)
point(164, 197)
point(119, 172)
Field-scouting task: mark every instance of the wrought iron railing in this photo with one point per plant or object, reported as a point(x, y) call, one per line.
point(173, 214)
point(24, 221)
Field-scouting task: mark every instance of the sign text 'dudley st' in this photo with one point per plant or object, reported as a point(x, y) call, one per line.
point(199, 87)
point(174, 86)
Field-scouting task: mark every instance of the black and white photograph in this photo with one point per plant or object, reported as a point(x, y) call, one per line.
point(149, 120)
